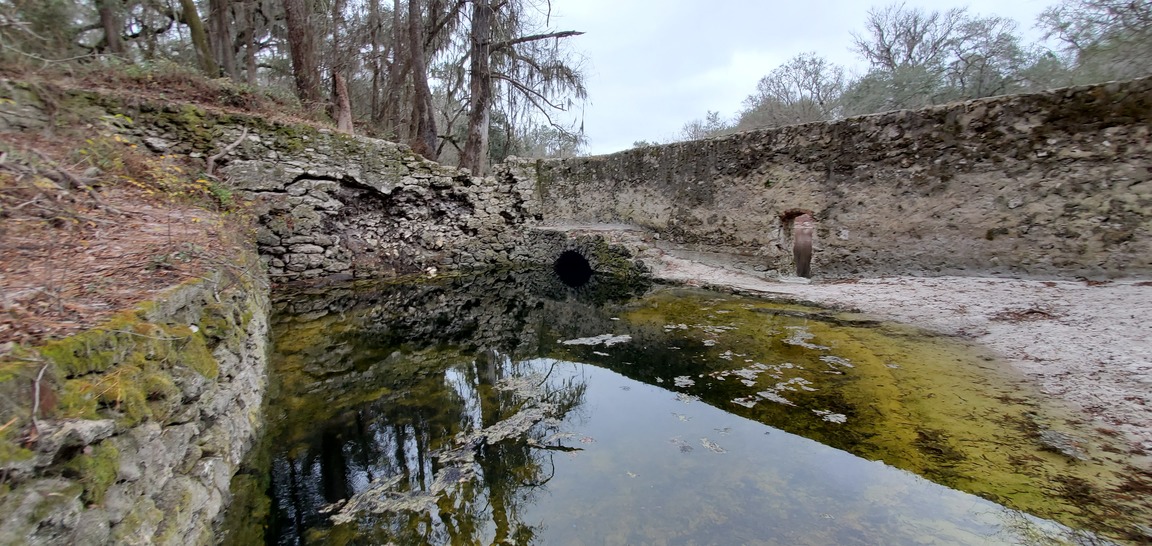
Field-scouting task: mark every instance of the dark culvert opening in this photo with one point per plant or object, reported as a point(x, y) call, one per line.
point(572, 268)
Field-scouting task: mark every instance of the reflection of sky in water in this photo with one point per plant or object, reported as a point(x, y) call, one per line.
point(635, 481)
point(467, 392)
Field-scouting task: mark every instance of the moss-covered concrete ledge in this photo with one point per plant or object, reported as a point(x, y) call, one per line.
point(1057, 184)
point(142, 421)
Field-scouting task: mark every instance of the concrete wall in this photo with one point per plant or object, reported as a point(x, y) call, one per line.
point(1049, 184)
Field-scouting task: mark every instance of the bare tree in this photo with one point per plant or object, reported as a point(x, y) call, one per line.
point(806, 88)
point(341, 64)
point(712, 125)
point(1109, 39)
point(249, 14)
point(499, 52)
point(189, 16)
point(987, 58)
point(397, 72)
point(920, 57)
point(222, 37)
point(427, 72)
point(898, 36)
point(424, 120)
point(111, 20)
point(479, 86)
point(343, 104)
point(375, 58)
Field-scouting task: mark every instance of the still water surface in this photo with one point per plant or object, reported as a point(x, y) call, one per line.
point(507, 408)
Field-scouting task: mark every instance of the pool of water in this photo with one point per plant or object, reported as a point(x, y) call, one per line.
point(506, 407)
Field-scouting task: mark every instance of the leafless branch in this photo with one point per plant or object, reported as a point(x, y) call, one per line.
point(534, 37)
point(227, 149)
point(529, 92)
point(36, 400)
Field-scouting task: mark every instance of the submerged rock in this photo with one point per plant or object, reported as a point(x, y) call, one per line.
point(606, 340)
point(1064, 444)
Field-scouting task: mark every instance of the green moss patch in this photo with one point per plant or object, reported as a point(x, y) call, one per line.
point(96, 470)
point(124, 369)
point(10, 449)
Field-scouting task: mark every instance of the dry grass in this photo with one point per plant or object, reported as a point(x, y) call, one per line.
point(168, 82)
point(91, 224)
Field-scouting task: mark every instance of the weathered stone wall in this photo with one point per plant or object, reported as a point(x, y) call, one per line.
point(374, 208)
point(159, 406)
point(155, 410)
point(327, 203)
point(1054, 183)
point(331, 204)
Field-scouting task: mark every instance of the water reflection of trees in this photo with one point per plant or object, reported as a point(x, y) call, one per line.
point(496, 310)
point(403, 437)
point(379, 380)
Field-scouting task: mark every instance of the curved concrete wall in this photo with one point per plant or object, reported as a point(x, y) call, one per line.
point(1047, 184)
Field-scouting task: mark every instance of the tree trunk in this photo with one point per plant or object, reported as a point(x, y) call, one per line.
point(423, 119)
point(396, 78)
point(301, 42)
point(250, 42)
point(113, 25)
point(374, 36)
point(220, 32)
point(341, 109)
point(474, 156)
point(191, 17)
point(343, 105)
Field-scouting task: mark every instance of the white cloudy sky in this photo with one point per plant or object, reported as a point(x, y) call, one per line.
point(654, 65)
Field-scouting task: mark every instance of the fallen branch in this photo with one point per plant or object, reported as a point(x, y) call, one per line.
point(227, 149)
point(35, 433)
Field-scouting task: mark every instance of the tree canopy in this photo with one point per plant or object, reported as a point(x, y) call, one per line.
point(439, 75)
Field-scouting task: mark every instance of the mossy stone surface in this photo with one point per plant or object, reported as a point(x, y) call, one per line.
point(96, 470)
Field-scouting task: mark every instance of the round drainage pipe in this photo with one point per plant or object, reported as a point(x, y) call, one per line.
point(572, 268)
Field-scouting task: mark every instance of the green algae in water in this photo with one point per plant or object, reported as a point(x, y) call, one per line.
point(925, 404)
point(679, 417)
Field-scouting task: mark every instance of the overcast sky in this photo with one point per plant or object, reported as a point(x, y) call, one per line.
point(654, 65)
